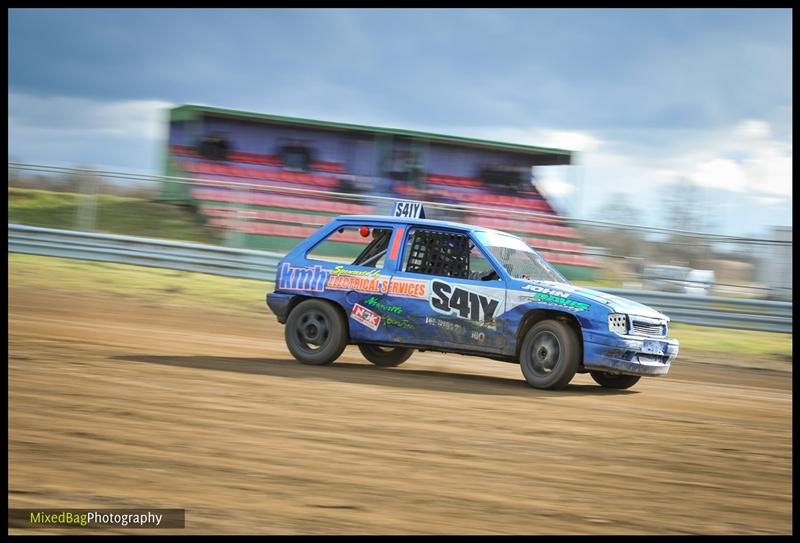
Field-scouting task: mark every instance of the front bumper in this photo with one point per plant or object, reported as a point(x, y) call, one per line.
point(278, 303)
point(631, 355)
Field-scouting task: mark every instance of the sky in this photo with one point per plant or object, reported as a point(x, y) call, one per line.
point(650, 99)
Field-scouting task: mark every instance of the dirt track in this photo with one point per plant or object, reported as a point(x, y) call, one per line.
point(120, 404)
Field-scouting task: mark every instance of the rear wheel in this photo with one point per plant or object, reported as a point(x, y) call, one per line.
point(609, 380)
point(385, 356)
point(549, 355)
point(316, 332)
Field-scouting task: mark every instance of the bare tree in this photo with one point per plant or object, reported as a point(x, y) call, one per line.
point(625, 246)
point(686, 208)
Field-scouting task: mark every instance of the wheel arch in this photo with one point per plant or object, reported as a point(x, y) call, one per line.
point(535, 316)
point(299, 298)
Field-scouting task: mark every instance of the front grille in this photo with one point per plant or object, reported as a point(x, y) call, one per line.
point(649, 329)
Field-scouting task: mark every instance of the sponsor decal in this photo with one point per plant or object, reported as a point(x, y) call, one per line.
point(545, 290)
point(379, 284)
point(369, 284)
point(560, 301)
point(374, 303)
point(341, 270)
point(408, 288)
point(447, 325)
point(365, 316)
point(451, 300)
point(300, 278)
point(478, 336)
point(392, 318)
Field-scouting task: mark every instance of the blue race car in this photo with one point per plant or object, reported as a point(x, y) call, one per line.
point(394, 284)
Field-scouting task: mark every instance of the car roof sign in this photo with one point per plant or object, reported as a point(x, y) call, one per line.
point(409, 210)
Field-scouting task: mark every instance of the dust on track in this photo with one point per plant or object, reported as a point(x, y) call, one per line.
point(116, 402)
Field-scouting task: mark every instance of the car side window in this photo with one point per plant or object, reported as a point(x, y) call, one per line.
point(480, 269)
point(445, 254)
point(355, 245)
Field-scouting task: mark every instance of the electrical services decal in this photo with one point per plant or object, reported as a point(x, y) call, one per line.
point(319, 279)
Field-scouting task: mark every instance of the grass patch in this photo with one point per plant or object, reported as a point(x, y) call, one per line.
point(115, 215)
point(725, 340)
point(165, 287)
point(246, 295)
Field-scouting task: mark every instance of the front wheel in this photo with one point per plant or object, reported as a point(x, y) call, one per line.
point(609, 380)
point(385, 356)
point(549, 355)
point(316, 332)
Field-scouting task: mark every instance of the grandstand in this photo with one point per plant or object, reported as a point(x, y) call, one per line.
point(277, 155)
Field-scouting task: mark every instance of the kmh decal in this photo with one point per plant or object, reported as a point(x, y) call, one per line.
point(300, 278)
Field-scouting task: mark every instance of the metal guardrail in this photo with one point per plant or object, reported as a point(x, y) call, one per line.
point(194, 257)
point(740, 313)
point(158, 253)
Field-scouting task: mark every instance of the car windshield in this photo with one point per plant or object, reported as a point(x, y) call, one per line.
point(518, 259)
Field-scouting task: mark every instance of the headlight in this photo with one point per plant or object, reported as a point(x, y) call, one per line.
point(618, 323)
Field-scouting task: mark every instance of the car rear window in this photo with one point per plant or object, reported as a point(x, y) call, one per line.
point(355, 245)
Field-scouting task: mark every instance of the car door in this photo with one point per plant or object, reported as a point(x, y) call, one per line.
point(352, 269)
point(446, 293)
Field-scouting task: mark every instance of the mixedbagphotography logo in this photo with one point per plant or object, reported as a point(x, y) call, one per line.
point(84, 518)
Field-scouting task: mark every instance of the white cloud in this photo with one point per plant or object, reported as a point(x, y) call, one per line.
point(751, 129)
point(743, 159)
point(744, 166)
point(746, 158)
point(769, 200)
point(720, 173)
point(63, 115)
point(770, 170)
point(571, 140)
point(62, 130)
point(556, 188)
point(559, 139)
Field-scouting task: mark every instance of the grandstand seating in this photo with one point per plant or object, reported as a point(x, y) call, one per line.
point(222, 170)
point(297, 203)
point(454, 181)
point(331, 167)
point(270, 213)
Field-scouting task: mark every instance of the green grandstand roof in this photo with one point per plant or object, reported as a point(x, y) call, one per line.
point(545, 154)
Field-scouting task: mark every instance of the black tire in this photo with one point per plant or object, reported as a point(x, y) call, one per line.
point(549, 355)
point(385, 357)
point(316, 332)
point(609, 380)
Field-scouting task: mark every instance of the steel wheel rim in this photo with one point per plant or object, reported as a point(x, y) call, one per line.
point(545, 354)
point(313, 330)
